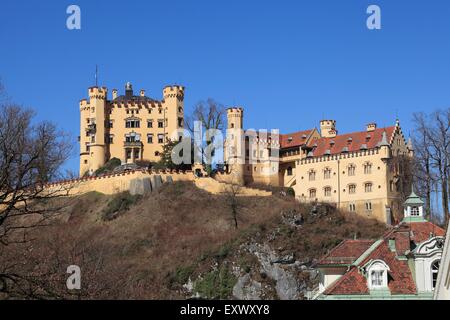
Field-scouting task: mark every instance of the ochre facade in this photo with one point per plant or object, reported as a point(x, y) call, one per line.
point(354, 171)
point(128, 127)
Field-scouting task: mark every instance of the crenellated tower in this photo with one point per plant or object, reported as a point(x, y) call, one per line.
point(235, 145)
point(97, 105)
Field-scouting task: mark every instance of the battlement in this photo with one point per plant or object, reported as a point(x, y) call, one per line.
point(98, 92)
point(237, 110)
point(83, 103)
point(174, 91)
point(328, 122)
point(328, 128)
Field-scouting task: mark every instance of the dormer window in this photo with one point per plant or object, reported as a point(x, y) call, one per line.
point(290, 139)
point(377, 278)
point(377, 274)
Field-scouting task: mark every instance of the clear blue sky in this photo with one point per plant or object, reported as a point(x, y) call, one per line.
point(288, 63)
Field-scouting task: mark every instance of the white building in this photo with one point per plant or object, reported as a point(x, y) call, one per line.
point(403, 264)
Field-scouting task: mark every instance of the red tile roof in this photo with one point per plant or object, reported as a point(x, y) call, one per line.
point(421, 231)
point(353, 141)
point(346, 252)
point(400, 275)
point(299, 138)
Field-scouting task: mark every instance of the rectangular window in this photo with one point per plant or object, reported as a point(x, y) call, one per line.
point(149, 123)
point(149, 138)
point(368, 206)
point(377, 278)
point(110, 138)
point(160, 138)
point(160, 124)
point(132, 124)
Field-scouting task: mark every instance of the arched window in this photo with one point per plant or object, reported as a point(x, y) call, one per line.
point(368, 187)
point(327, 173)
point(367, 168)
point(434, 272)
point(312, 193)
point(289, 171)
point(377, 272)
point(351, 170)
point(352, 188)
point(327, 191)
point(312, 175)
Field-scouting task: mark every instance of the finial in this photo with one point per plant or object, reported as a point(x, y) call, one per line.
point(384, 141)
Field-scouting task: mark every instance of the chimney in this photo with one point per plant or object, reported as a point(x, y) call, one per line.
point(142, 93)
point(371, 126)
point(128, 90)
point(114, 93)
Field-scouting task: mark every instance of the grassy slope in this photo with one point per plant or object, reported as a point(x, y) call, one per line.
point(151, 249)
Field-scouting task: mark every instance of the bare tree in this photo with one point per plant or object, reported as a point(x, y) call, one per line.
point(211, 115)
point(232, 192)
point(432, 145)
point(31, 156)
point(423, 173)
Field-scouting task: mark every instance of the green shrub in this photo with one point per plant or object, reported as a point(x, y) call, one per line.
point(121, 202)
point(223, 251)
point(181, 275)
point(290, 192)
point(217, 284)
point(108, 167)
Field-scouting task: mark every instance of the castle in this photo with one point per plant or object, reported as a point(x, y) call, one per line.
point(359, 172)
point(128, 127)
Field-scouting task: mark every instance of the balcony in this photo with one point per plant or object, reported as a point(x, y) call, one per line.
point(132, 144)
point(91, 128)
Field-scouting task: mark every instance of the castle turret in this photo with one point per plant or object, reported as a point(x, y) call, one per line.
point(328, 128)
point(84, 138)
point(385, 150)
point(174, 104)
point(235, 145)
point(96, 127)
